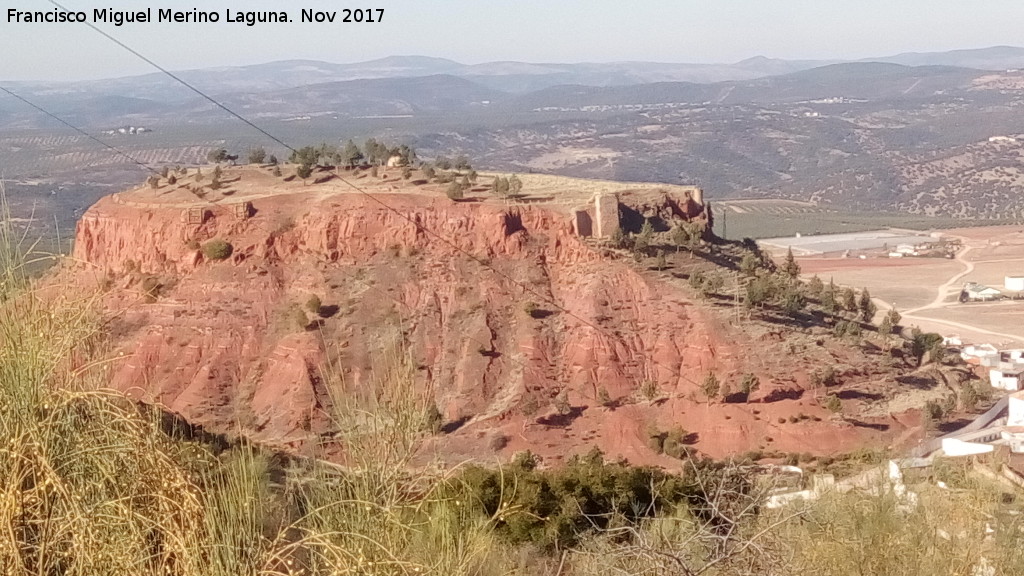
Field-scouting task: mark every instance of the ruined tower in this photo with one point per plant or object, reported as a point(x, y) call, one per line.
point(606, 209)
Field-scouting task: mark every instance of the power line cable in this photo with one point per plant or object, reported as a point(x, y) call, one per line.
point(79, 130)
point(523, 286)
point(178, 79)
point(62, 121)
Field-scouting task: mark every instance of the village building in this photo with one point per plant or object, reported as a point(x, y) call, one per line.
point(976, 354)
point(1014, 283)
point(974, 292)
point(1006, 377)
point(1013, 432)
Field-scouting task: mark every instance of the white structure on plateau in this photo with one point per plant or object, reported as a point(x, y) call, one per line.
point(1014, 283)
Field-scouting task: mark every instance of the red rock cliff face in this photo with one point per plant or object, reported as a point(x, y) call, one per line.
point(449, 282)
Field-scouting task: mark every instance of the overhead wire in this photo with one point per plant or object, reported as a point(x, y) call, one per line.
point(178, 79)
point(523, 286)
point(483, 345)
point(13, 94)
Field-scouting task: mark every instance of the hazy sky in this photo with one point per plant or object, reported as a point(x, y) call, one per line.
point(474, 31)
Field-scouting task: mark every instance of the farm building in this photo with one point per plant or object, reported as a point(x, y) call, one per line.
point(828, 243)
point(974, 292)
point(1014, 283)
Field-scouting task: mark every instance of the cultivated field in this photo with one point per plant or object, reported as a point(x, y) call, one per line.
point(906, 282)
point(925, 290)
point(825, 243)
point(737, 219)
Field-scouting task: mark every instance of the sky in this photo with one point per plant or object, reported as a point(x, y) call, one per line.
point(474, 31)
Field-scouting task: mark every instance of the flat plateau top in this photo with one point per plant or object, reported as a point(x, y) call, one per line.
point(242, 183)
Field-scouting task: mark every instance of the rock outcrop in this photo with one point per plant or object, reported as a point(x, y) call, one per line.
point(520, 329)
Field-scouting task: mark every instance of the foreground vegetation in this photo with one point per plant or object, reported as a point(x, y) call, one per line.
point(94, 484)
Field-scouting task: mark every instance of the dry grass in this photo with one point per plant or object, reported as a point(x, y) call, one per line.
point(951, 531)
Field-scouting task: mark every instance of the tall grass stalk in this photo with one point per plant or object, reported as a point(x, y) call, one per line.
point(85, 484)
point(383, 515)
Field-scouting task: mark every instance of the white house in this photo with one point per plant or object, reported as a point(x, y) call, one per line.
point(974, 354)
point(1015, 416)
point(1011, 355)
point(907, 249)
point(1014, 283)
point(1005, 378)
point(1013, 432)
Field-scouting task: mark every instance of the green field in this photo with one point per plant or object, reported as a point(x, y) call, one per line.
point(737, 219)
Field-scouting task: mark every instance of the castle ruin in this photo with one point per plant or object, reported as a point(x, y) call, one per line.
point(610, 212)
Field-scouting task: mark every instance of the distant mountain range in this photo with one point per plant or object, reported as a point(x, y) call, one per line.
point(513, 77)
point(909, 132)
point(416, 85)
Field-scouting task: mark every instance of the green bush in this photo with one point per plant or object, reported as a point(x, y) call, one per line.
point(313, 304)
point(832, 403)
point(257, 155)
point(218, 249)
point(151, 287)
point(675, 443)
point(529, 406)
point(300, 319)
point(558, 508)
point(925, 343)
point(656, 440)
point(649, 388)
point(434, 419)
point(455, 191)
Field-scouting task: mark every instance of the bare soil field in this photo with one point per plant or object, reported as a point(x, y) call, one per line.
point(906, 283)
point(994, 272)
point(925, 290)
point(1003, 321)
